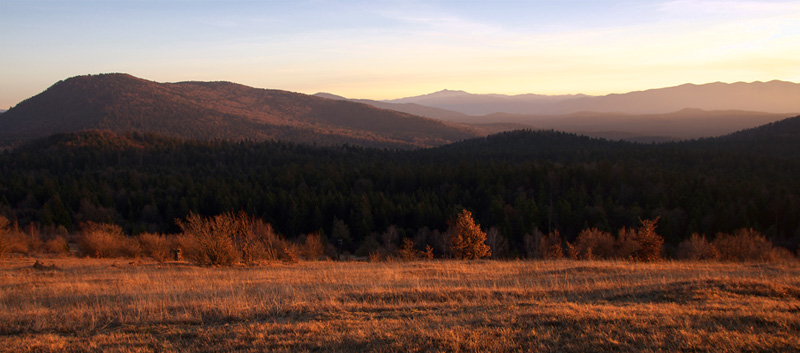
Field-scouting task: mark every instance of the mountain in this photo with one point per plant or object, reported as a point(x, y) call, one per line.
point(481, 104)
point(771, 97)
point(410, 108)
point(216, 110)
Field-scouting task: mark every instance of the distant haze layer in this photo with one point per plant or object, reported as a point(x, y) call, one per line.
point(771, 97)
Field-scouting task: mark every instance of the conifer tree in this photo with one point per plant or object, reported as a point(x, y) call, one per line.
point(467, 240)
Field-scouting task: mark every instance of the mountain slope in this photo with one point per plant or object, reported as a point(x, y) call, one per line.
point(410, 108)
point(482, 104)
point(771, 97)
point(208, 110)
point(777, 139)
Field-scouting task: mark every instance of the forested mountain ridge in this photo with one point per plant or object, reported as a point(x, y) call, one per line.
point(216, 110)
point(518, 182)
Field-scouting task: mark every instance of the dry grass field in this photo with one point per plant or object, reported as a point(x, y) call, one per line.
point(118, 306)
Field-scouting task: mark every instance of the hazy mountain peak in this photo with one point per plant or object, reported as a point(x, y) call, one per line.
point(451, 92)
point(774, 97)
point(445, 93)
point(329, 96)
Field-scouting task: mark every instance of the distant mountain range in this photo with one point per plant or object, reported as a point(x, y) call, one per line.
point(771, 97)
point(224, 110)
point(481, 104)
point(210, 110)
point(674, 113)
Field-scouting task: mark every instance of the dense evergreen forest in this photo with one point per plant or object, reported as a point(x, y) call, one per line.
point(517, 182)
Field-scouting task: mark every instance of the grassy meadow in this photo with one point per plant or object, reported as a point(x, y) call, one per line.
point(115, 305)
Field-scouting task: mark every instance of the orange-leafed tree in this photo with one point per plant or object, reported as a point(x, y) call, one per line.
point(467, 240)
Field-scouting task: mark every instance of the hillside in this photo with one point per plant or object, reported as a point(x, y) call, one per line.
point(216, 110)
point(779, 139)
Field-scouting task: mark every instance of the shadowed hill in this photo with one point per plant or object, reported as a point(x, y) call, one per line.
point(780, 139)
point(786, 130)
point(211, 110)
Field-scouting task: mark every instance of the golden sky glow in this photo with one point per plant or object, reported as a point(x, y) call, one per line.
point(392, 49)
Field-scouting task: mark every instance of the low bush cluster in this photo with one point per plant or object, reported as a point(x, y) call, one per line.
point(640, 244)
point(237, 238)
point(229, 238)
point(5, 236)
point(106, 240)
point(407, 252)
point(156, 246)
point(745, 244)
point(52, 240)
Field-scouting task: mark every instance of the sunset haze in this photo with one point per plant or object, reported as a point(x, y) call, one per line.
point(394, 49)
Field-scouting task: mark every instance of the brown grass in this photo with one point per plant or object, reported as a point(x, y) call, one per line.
point(116, 306)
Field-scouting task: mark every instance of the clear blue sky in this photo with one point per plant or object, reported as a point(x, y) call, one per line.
point(390, 49)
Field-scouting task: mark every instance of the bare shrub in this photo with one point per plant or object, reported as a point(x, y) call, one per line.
point(550, 246)
point(428, 253)
point(626, 245)
point(257, 241)
point(57, 245)
point(592, 244)
point(641, 244)
point(376, 256)
point(440, 242)
point(288, 252)
point(32, 238)
point(697, 247)
point(745, 244)
point(106, 240)
point(155, 246)
point(14, 240)
point(313, 247)
point(187, 243)
point(5, 236)
point(406, 251)
point(272, 247)
point(530, 243)
point(390, 238)
point(368, 246)
point(497, 242)
point(781, 254)
point(210, 239)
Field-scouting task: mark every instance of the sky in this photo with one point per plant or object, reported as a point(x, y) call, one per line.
point(380, 49)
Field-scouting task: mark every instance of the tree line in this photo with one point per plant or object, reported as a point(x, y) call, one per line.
point(516, 185)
